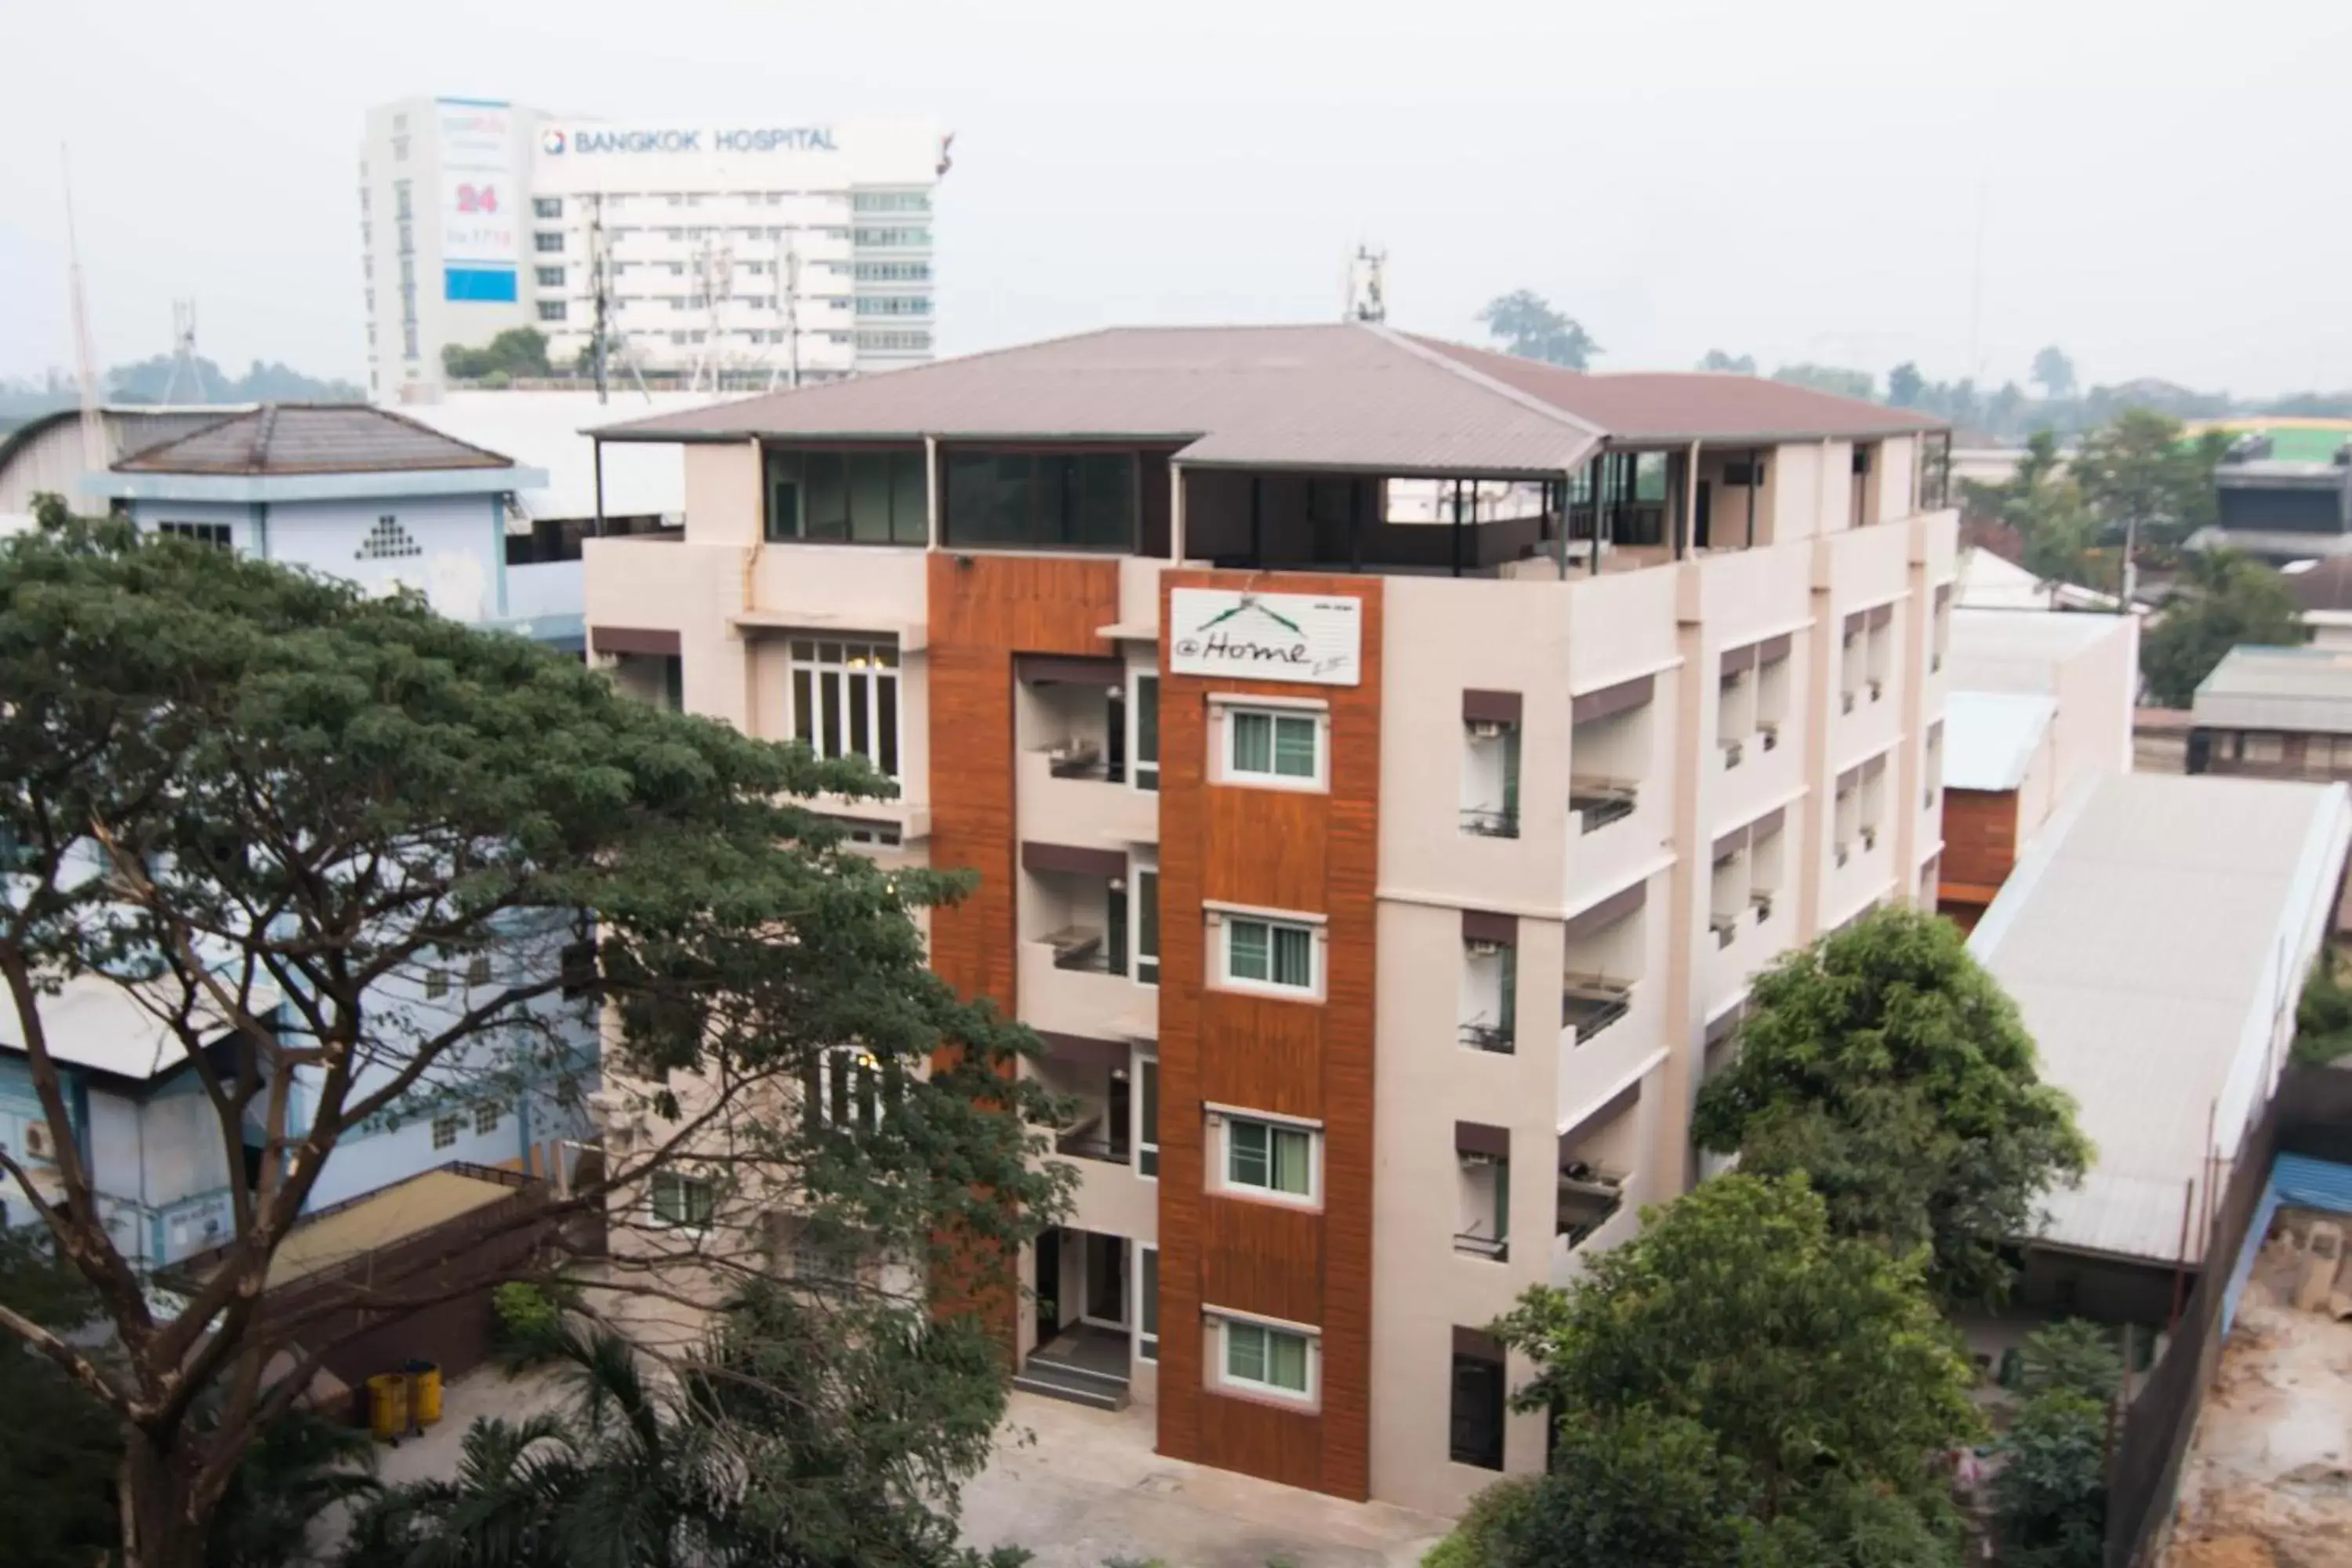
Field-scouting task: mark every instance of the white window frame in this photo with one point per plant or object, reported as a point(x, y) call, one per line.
point(1228, 709)
point(682, 1182)
point(1147, 1340)
point(1136, 766)
point(1222, 1125)
point(1139, 866)
point(1221, 1324)
point(851, 1061)
point(828, 730)
point(1222, 936)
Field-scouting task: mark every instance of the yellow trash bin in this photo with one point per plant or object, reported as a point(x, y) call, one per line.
point(388, 1405)
point(423, 1393)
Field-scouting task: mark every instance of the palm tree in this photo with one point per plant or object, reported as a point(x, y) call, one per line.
point(301, 1466)
point(499, 1512)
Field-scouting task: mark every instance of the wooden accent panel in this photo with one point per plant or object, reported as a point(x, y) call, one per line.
point(1317, 853)
point(1261, 1258)
point(1980, 837)
point(1257, 1051)
point(1257, 1438)
point(984, 609)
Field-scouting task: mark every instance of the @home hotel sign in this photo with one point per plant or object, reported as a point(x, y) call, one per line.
point(1266, 636)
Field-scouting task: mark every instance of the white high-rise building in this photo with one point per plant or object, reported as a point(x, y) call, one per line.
point(730, 254)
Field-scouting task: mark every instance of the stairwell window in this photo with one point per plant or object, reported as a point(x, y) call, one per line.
point(683, 1202)
point(1272, 747)
point(1267, 954)
point(1147, 1272)
point(845, 699)
point(1144, 708)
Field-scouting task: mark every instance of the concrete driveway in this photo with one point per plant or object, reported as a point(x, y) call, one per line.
point(1080, 1488)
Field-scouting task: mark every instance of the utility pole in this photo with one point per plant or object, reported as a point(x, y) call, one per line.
point(1368, 286)
point(788, 304)
point(599, 270)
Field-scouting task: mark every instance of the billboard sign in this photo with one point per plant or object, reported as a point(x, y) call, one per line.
point(482, 201)
point(1266, 636)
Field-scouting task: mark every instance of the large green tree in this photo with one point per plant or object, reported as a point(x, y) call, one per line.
point(517, 351)
point(2042, 502)
point(1740, 1383)
point(1887, 1065)
point(2147, 483)
point(1830, 378)
point(1527, 325)
point(258, 802)
point(2054, 373)
point(2223, 599)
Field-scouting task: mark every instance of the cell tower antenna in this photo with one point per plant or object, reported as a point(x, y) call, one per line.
point(599, 270)
point(93, 424)
point(183, 352)
point(1368, 286)
point(787, 301)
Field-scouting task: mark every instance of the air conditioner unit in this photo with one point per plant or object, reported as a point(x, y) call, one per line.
point(37, 1140)
point(1483, 947)
point(1471, 1162)
point(1486, 729)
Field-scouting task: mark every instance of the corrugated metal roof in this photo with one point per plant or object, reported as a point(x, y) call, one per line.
point(310, 438)
point(2304, 688)
point(1340, 396)
point(93, 1022)
point(1989, 737)
point(1693, 406)
point(2021, 650)
point(2155, 940)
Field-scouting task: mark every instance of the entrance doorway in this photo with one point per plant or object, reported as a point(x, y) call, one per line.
point(1106, 1301)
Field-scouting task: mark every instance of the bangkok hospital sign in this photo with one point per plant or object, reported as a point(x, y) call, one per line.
point(1266, 636)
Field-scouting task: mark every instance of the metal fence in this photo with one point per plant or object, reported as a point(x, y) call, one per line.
point(2310, 1113)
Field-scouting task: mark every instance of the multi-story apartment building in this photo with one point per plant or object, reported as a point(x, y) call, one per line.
point(1386, 763)
point(728, 253)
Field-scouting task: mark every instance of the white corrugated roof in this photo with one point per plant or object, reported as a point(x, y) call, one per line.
point(1987, 582)
point(2021, 650)
point(1989, 737)
point(2306, 688)
point(2155, 939)
point(93, 1021)
point(545, 430)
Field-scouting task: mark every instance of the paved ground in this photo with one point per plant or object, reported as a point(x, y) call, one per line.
point(1085, 1487)
point(1077, 1487)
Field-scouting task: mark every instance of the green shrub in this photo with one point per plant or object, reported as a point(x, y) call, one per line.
point(2050, 1501)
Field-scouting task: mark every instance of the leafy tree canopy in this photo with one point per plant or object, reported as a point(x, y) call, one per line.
point(1890, 1067)
point(2137, 473)
point(517, 351)
point(1903, 385)
point(2322, 1019)
point(1717, 360)
point(1527, 325)
point(2053, 373)
point(2222, 600)
point(1741, 1373)
point(1830, 378)
point(255, 799)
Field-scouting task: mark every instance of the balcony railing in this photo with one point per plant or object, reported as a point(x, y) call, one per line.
point(1490, 824)
point(1471, 1243)
point(1093, 1143)
point(1083, 760)
point(1591, 1004)
point(1494, 1038)
point(1586, 1204)
point(1600, 802)
point(1081, 949)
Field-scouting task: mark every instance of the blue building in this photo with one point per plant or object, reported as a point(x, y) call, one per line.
point(361, 493)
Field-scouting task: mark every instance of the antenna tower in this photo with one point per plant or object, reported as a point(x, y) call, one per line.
point(788, 307)
point(93, 426)
point(183, 352)
point(1368, 286)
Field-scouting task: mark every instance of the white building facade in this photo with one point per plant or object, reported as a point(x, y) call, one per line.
point(737, 255)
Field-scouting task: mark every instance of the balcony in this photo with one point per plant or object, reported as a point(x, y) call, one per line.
point(1066, 985)
point(1471, 1244)
point(1595, 1213)
point(1490, 824)
point(1074, 797)
point(1492, 1037)
point(1598, 802)
point(1589, 1004)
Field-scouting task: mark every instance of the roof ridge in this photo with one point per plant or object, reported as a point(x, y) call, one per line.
point(149, 450)
point(265, 430)
point(423, 428)
point(1479, 378)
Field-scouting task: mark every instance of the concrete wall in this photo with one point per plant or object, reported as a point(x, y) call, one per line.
point(460, 542)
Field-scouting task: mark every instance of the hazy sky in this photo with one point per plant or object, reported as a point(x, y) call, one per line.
point(2164, 183)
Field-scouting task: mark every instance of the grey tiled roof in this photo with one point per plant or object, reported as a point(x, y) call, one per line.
point(1337, 395)
point(310, 439)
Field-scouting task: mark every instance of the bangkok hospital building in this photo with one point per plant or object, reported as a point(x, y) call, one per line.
point(1386, 762)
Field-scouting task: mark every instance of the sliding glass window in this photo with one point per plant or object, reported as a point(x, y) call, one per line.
point(863, 497)
point(1041, 502)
